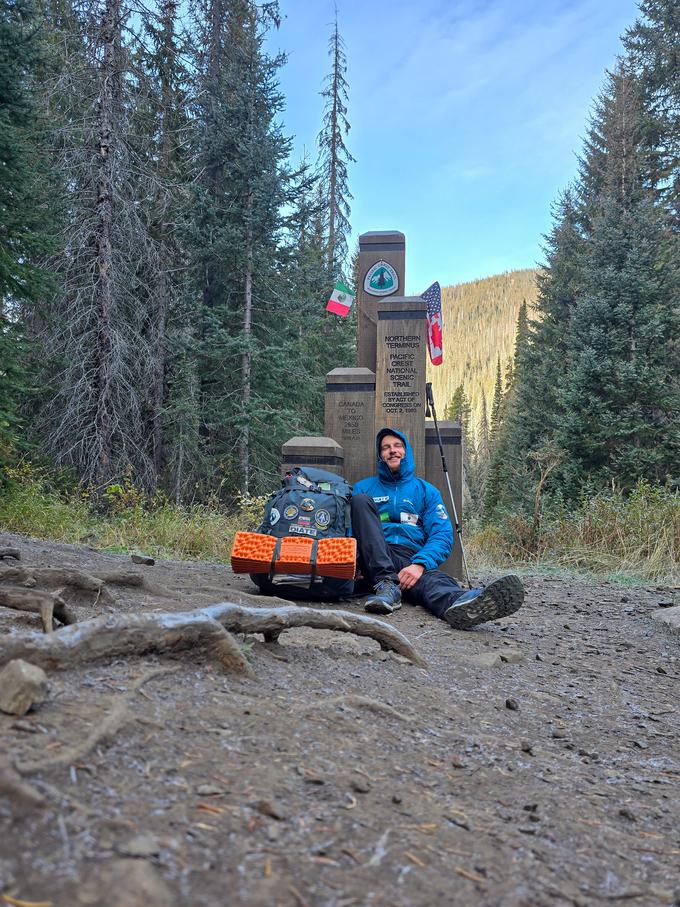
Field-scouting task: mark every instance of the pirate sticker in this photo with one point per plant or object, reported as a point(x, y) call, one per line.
point(307, 504)
point(291, 512)
point(302, 530)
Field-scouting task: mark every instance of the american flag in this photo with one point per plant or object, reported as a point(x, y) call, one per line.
point(435, 325)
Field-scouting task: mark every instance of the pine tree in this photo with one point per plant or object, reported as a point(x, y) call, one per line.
point(92, 330)
point(652, 53)
point(622, 393)
point(23, 205)
point(238, 220)
point(161, 130)
point(496, 408)
point(334, 157)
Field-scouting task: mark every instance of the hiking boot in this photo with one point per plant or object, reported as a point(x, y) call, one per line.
point(501, 597)
point(386, 598)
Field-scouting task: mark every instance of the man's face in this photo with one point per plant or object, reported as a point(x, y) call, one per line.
point(392, 451)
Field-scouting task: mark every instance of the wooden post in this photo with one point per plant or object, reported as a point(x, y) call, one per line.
point(400, 371)
point(350, 418)
point(382, 263)
point(324, 453)
point(451, 442)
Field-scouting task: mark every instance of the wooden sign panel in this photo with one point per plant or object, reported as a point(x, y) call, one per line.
point(382, 262)
point(350, 418)
point(400, 370)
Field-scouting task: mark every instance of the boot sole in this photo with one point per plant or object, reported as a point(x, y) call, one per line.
point(378, 607)
point(501, 598)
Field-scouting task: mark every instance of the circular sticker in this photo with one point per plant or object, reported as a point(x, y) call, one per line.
point(441, 512)
point(322, 519)
point(291, 512)
point(307, 504)
point(274, 516)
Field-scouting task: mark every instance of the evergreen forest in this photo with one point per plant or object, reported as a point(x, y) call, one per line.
point(163, 259)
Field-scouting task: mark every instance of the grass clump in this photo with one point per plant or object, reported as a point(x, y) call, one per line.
point(122, 519)
point(635, 535)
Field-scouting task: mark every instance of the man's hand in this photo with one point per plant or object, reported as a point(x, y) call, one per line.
point(410, 575)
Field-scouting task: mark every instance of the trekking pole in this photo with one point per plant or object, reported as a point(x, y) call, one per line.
point(459, 530)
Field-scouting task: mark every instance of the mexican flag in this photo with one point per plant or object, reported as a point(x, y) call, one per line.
point(341, 300)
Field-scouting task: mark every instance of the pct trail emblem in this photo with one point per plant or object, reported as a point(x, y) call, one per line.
point(381, 279)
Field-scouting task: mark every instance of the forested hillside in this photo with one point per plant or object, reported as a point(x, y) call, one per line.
point(480, 321)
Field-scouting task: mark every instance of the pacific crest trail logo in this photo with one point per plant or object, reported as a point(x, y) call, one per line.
point(381, 279)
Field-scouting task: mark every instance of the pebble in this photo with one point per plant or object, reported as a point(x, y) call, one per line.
point(273, 832)
point(270, 808)
point(142, 559)
point(140, 846)
point(360, 785)
point(396, 798)
point(512, 656)
point(22, 685)
point(125, 882)
point(527, 747)
point(486, 659)
point(512, 704)
point(209, 790)
point(627, 814)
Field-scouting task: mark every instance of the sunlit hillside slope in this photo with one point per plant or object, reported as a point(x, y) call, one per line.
point(480, 319)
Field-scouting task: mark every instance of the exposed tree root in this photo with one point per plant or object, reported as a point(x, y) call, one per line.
point(135, 580)
point(205, 628)
point(37, 589)
point(10, 552)
point(21, 796)
point(110, 725)
point(47, 604)
point(352, 700)
point(57, 578)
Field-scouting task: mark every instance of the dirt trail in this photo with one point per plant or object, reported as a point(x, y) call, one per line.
point(535, 762)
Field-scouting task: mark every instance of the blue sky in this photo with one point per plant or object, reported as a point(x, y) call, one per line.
point(467, 117)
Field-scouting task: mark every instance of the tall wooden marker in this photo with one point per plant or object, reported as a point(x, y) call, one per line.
point(434, 473)
point(382, 272)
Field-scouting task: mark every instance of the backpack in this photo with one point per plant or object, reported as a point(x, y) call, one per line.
point(313, 503)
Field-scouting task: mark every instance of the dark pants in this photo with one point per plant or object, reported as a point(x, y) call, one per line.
point(435, 590)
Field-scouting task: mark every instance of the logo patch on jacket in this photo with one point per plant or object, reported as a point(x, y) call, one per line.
point(383, 499)
point(441, 512)
point(410, 518)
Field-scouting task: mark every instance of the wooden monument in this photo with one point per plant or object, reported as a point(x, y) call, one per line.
point(387, 388)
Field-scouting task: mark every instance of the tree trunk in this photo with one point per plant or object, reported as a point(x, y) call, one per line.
point(104, 285)
point(244, 439)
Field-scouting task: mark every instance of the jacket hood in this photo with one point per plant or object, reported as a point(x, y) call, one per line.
point(407, 466)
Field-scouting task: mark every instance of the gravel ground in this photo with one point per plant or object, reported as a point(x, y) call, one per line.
point(536, 761)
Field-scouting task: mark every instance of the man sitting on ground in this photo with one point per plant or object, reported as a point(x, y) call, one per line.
point(404, 533)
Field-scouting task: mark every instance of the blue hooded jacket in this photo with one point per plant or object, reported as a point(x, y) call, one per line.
point(411, 510)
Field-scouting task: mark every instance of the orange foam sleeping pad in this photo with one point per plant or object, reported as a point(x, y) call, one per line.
point(252, 552)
